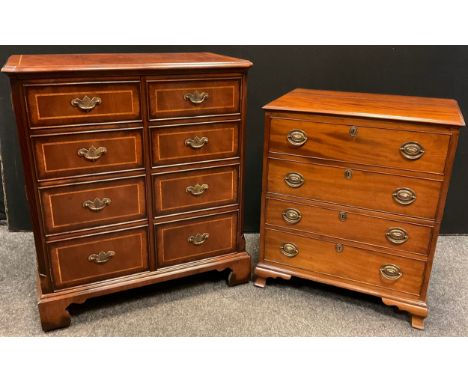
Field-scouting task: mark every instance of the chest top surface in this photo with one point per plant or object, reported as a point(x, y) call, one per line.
point(44, 63)
point(438, 111)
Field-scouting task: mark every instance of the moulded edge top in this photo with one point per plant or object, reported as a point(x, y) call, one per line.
point(441, 111)
point(43, 63)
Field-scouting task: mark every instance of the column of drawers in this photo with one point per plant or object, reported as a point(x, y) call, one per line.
point(86, 140)
point(354, 203)
point(194, 124)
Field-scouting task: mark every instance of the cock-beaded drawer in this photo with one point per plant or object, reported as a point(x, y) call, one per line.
point(52, 104)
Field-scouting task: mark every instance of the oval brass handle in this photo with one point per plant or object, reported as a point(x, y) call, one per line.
point(297, 138)
point(294, 179)
point(101, 257)
point(289, 249)
point(196, 97)
point(97, 204)
point(404, 196)
point(342, 216)
point(412, 150)
point(390, 272)
point(196, 142)
point(353, 131)
point(197, 190)
point(348, 173)
point(198, 238)
point(87, 103)
point(93, 153)
point(396, 235)
point(292, 216)
point(339, 247)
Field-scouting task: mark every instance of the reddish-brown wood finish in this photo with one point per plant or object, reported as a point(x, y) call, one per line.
point(355, 225)
point(172, 193)
point(342, 224)
point(69, 155)
point(51, 104)
point(71, 263)
point(99, 62)
point(177, 241)
point(380, 106)
point(179, 144)
point(186, 98)
point(370, 146)
point(63, 208)
point(92, 158)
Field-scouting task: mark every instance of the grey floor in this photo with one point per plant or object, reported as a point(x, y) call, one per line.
point(203, 305)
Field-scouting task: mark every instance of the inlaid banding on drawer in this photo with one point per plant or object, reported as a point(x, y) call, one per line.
point(196, 189)
point(409, 150)
point(63, 104)
point(68, 208)
point(366, 189)
point(196, 239)
point(346, 262)
point(185, 98)
point(195, 143)
point(340, 223)
point(91, 153)
point(100, 257)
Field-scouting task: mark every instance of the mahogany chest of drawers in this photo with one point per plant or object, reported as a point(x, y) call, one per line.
point(354, 188)
point(134, 168)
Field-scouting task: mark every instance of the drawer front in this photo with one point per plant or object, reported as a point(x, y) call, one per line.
point(68, 208)
point(196, 239)
point(341, 223)
point(383, 192)
point(407, 150)
point(384, 271)
point(91, 153)
point(100, 257)
point(185, 98)
point(192, 190)
point(65, 104)
point(194, 143)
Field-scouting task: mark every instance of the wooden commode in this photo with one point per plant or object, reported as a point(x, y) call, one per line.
point(354, 188)
point(134, 170)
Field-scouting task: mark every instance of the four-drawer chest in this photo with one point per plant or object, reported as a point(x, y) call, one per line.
point(134, 170)
point(354, 188)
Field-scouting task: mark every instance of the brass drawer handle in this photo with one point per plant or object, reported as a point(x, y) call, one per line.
point(292, 216)
point(87, 103)
point(404, 196)
point(294, 179)
point(197, 190)
point(92, 154)
point(196, 142)
point(348, 173)
point(342, 216)
point(198, 239)
point(397, 235)
point(297, 138)
point(412, 150)
point(196, 97)
point(101, 257)
point(390, 272)
point(339, 247)
point(97, 204)
point(289, 250)
point(353, 131)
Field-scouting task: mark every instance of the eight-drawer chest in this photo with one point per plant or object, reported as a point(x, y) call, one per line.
point(133, 167)
point(354, 188)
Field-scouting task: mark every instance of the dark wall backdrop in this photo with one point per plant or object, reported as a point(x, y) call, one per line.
point(419, 71)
